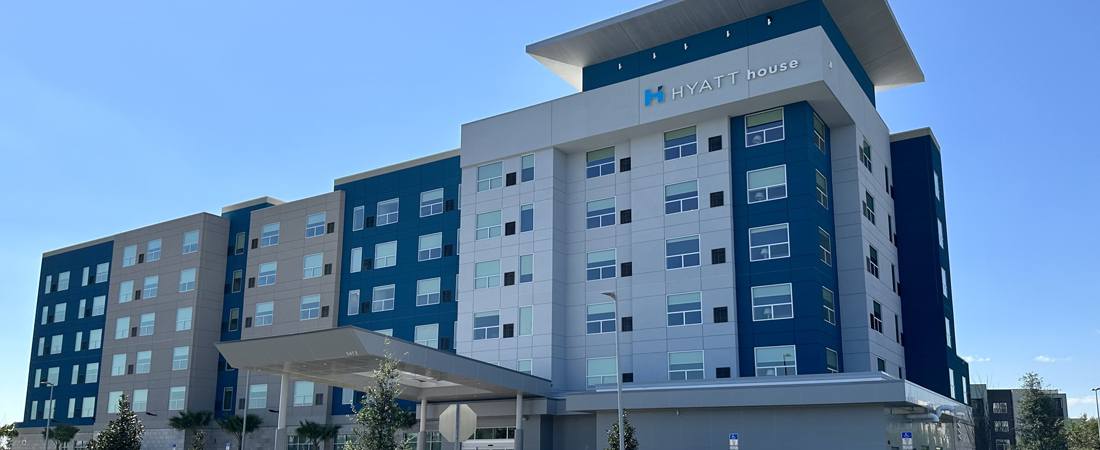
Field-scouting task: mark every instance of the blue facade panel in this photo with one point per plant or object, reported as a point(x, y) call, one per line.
point(407, 186)
point(73, 262)
point(784, 21)
point(804, 269)
point(919, 211)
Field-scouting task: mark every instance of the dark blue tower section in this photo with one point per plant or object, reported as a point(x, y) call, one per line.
point(809, 269)
point(923, 247)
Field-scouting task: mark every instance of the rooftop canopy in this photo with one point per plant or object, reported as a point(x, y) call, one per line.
point(346, 356)
point(869, 27)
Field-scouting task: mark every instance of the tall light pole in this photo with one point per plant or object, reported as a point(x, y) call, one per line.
point(618, 368)
point(1096, 396)
point(49, 411)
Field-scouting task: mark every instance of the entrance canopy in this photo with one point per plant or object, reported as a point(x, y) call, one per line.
point(346, 356)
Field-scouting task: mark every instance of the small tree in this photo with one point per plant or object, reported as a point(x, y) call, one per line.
point(61, 434)
point(1082, 435)
point(1039, 425)
point(193, 421)
point(123, 433)
point(380, 417)
point(317, 433)
point(7, 434)
point(628, 434)
point(235, 426)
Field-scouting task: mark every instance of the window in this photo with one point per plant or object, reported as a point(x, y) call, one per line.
point(526, 218)
point(315, 225)
point(869, 206)
point(601, 318)
point(943, 276)
point(876, 316)
point(600, 162)
point(819, 133)
point(526, 268)
point(770, 242)
point(881, 365)
point(269, 235)
point(56, 343)
point(95, 339)
point(383, 298)
point(490, 176)
point(385, 255)
point(684, 309)
point(872, 260)
point(112, 401)
point(1000, 426)
point(523, 366)
point(87, 407)
point(600, 213)
point(951, 380)
point(49, 284)
point(387, 212)
point(242, 242)
point(358, 216)
point(347, 396)
point(152, 250)
point(526, 321)
point(486, 325)
point(865, 155)
point(431, 247)
point(84, 278)
point(234, 319)
point(267, 273)
point(387, 331)
point(431, 203)
point(140, 400)
point(144, 361)
point(832, 361)
point(826, 246)
point(488, 225)
point(34, 410)
point(122, 328)
point(311, 265)
point(179, 358)
point(78, 342)
point(772, 302)
point(310, 307)
point(947, 326)
point(685, 365)
point(601, 265)
point(176, 396)
point(1000, 408)
point(767, 184)
point(527, 168)
point(129, 256)
point(125, 291)
point(187, 280)
point(264, 313)
point(682, 252)
point(681, 197)
point(680, 143)
point(118, 365)
point(356, 260)
point(147, 323)
point(764, 127)
point(353, 302)
point(183, 319)
point(101, 271)
point(53, 375)
point(303, 393)
point(939, 228)
point(427, 292)
point(829, 305)
point(151, 284)
point(257, 396)
point(190, 242)
point(427, 335)
point(487, 274)
point(822, 190)
point(600, 371)
point(776, 361)
point(295, 442)
point(965, 394)
point(59, 312)
point(936, 183)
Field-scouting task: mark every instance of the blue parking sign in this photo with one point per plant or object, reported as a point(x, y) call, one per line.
point(907, 435)
point(733, 436)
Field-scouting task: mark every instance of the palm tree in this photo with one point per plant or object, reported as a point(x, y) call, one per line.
point(317, 433)
point(235, 426)
point(8, 433)
point(61, 434)
point(193, 421)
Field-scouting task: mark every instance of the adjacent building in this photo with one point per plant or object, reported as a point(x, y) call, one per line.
point(998, 409)
point(720, 220)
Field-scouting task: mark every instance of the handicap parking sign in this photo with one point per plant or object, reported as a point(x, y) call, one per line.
point(907, 435)
point(733, 436)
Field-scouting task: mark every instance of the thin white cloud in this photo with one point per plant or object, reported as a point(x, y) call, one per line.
point(1047, 359)
point(973, 359)
point(1077, 401)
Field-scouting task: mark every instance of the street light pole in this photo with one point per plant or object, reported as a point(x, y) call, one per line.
point(618, 368)
point(49, 411)
point(1096, 396)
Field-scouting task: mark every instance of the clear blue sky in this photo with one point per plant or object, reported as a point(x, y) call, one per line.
point(116, 116)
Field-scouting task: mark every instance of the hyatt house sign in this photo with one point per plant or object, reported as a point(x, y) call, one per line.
point(727, 79)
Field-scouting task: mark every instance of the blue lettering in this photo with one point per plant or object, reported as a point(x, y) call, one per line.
point(659, 95)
